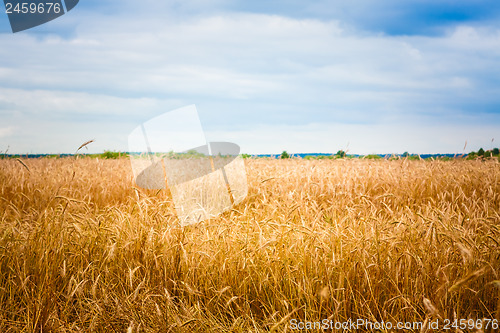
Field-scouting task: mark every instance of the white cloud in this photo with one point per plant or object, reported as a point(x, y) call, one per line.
point(53, 104)
point(260, 70)
point(7, 131)
point(360, 138)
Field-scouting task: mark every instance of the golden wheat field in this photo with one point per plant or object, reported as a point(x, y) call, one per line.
point(82, 249)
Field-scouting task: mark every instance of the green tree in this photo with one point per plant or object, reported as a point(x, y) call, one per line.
point(480, 152)
point(496, 151)
point(340, 154)
point(108, 154)
point(284, 154)
point(471, 155)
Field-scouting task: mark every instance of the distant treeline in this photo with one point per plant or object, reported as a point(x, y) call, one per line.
point(480, 154)
point(342, 154)
point(105, 155)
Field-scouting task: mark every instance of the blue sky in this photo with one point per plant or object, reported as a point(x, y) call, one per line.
point(317, 76)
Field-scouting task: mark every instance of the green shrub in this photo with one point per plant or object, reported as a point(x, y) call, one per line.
point(110, 154)
point(414, 157)
point(284, 154)
point(471, 155)
point(372, 157)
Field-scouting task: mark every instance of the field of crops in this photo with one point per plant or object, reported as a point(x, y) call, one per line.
point(82, 249)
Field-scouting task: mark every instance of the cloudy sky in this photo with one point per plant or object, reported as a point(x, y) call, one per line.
point(384, 76)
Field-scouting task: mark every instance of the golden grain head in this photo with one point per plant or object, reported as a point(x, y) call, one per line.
point(82, 248)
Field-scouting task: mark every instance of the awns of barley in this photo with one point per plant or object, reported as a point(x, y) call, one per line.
point(83, 249)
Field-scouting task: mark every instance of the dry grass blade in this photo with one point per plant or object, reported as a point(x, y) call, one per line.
point(283, 320)
point(23, 164)
point(342, 239)
point(85, 144)
point(467, 279)
point(431, 308)
point(496, 283)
